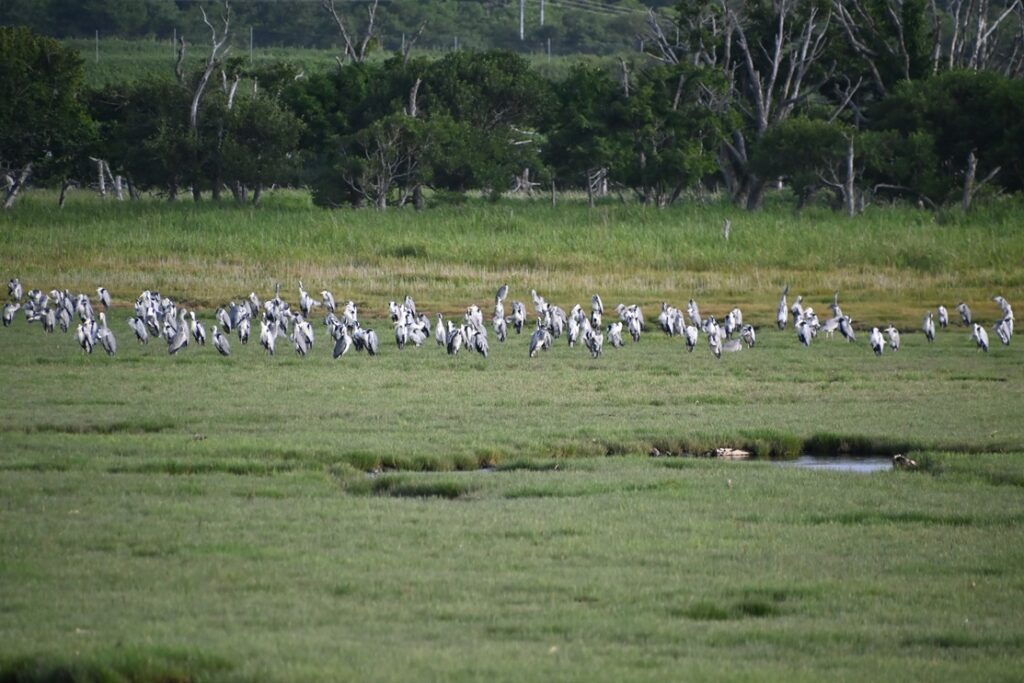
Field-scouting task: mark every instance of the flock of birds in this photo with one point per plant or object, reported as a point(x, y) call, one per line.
point(157, 316)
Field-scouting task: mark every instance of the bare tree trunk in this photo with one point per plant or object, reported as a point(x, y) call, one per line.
point(554, 197)
point(257, 194)
point(417, 198)
point(14, 187)
point(133, 192)
point(64, 187)
point(848, 187)
point(972, 169)
point(197, 194)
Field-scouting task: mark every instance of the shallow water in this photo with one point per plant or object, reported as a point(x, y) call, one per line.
point(840, 463)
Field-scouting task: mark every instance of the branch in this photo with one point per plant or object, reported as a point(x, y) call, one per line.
point(217, 51)
point(407, 48)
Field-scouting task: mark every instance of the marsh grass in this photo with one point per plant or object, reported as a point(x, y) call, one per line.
point(208, 254)
point(419, 516)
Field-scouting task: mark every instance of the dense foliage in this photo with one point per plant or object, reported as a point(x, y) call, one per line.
point(855, 102)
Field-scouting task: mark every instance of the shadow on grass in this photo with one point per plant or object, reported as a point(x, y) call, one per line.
point(151, 665)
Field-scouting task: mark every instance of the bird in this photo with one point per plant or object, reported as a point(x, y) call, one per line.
point(748, 335)
point(198, 331)
point(596, 311)
point(797, 309)
point(804, 332)
point(179, 340)
point(715, 344)
point(220, 342)
point(540, 340)
point(846, 329)
point(943, 317)
point(106, 337)
point(1004, 330)
point(929, 327)
point(343, 343)
point(594, 341)
point(104, 297)
point(877, 343)
point(782, 315)
point(894, 337)
point(328, 300)
point(138, 326)
point(615, 334)
point(965, 313)
point(14, 289)
point(501, 294)
point(690, 333)
point(86, 335)
point(9, 311)
point(980, 336)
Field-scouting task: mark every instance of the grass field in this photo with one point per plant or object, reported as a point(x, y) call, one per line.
point(413, 516)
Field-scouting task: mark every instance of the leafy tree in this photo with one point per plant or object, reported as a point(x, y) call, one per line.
point(43, 123)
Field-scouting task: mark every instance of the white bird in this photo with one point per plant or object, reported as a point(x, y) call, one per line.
point(690, 332)
point(615, 334)
point(894, 337)
point(9, 311)
point(518, 316)
point(715, 344)
point(1004, 330)
point(980, 336)
point(943, 317)
point(782, 315)
point(440, 334)
point(220, 342)
point(929, 327)
point(244, 329)
point(877, 343)
point(14, 289)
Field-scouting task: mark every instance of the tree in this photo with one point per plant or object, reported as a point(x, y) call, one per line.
point(43, 123)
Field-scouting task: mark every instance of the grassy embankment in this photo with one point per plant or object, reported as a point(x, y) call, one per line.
point(208, 518)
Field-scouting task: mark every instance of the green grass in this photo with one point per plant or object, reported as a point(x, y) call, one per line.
point(889, 265)
point(414, 516)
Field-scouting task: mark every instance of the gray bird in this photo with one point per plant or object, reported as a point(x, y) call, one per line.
point(104, 297)
point(106, 337)
point(965, 314)
point(943, 317)
point(179, 340)
point(782, 315)
point(220, 342)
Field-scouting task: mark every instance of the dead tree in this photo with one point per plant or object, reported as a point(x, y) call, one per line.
point(407, 45)
point(15, 183)
point(970, 173)
point(356, 53)
point(975, 41)
point(768, 75)
point(219, 48)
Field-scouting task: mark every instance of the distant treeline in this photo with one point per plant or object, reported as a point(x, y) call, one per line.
point(571, 26)
point(803, 94)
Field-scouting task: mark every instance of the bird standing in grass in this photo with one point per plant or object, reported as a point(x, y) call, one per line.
point(965, 314)
point(980, 336)
point(220, 342)
point(943, 317)
point(894, 337)
point(782, 314)
point(877, 343)
point(929, 327)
